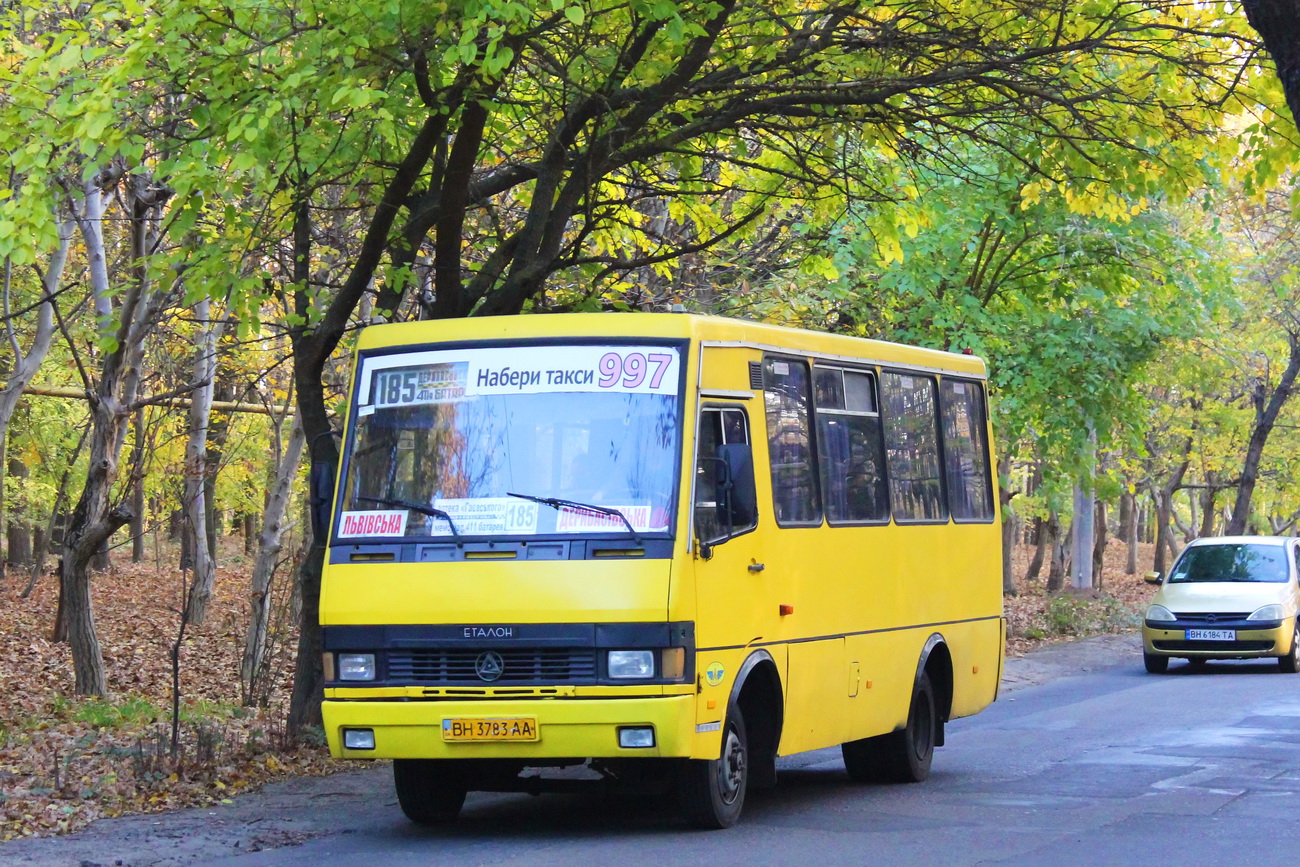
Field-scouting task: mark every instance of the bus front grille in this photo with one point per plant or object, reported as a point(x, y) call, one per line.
point(521, 665)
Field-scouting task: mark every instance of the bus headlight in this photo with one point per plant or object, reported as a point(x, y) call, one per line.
point(629, 664)
point(356, 666)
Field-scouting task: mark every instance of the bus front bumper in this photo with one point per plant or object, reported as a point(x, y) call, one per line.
point(565, 728)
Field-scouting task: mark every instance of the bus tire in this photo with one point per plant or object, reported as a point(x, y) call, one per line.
point(903, 756)
point(712, 791)
point(430, 792)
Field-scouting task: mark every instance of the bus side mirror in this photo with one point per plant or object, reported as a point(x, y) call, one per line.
point(1151, 577)
point(741, 499)
point(321, 492)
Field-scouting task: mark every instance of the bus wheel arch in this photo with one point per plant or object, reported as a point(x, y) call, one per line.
point(936, 663)
point(757, 693)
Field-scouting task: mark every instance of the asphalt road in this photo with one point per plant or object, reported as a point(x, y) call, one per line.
point(1085, 759)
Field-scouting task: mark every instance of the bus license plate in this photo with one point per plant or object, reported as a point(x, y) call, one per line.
point(1211, 635)
point(494, 729)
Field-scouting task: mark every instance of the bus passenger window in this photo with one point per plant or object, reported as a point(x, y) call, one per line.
point(713, 522)
point(795, 498)
point(912, 447)
point(850, 448)
point(965, 451)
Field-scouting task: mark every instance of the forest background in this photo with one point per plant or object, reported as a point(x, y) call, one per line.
point(203, 202)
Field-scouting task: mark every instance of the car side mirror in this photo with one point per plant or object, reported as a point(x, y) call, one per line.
point(1151, 577)
point(321, 498)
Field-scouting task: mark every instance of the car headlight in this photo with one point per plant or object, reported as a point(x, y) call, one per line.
point(356, 666)
point(1268, 612)
point(631, 664)
point(1159, 612)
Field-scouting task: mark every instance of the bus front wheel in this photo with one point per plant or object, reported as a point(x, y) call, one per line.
point(903, 756)
point(430, 792)
point(712, 791)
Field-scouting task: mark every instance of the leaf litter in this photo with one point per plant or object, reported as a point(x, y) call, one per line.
point(67, 761)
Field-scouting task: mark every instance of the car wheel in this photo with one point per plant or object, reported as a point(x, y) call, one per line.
point(1155, 664)
point(430, 792)
point(712, 791)
point(1291, 662)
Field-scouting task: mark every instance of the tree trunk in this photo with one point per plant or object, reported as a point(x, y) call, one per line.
point(1056, 562)
point(1008, 524)
point(308, 676)
point(218, 433)
point(1082, 532)
point(252, 668)
point(1099, 548)
point(1207, 507)
point(24, 367)
point(44, 539)
point(1129, 530)
point(1268, 405)
point(1042, 539)
point(197, 509)
point(1278, 25)
point(137, 487)
point(94, 521)
point(18, 533)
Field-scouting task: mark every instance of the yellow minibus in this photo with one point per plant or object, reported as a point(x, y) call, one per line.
point(658, 550)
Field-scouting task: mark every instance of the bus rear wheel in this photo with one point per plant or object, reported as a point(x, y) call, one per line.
point(712, 791)
point(903, 756)
point(430, 792)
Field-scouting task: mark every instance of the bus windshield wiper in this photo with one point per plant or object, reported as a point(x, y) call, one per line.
point(416, 507)
point(558, 503)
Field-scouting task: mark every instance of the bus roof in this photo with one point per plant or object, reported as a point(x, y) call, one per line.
point(686, 326)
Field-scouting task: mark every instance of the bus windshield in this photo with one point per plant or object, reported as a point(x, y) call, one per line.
point(478, 441)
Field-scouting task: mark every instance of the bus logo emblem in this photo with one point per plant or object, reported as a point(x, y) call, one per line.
point(489, 666)
point(714, 673)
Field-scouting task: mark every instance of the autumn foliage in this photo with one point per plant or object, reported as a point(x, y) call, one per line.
point(65, 762)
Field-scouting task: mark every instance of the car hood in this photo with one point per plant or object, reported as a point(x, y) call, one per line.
point(1221, 596)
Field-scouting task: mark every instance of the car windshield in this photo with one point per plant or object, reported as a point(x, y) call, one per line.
point(1231, 562)
point(480, 441)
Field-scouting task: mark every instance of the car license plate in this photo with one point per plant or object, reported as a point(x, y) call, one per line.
point(489, 729)
point(1211, 635)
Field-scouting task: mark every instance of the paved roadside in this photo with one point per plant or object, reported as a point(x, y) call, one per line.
point(293, 811)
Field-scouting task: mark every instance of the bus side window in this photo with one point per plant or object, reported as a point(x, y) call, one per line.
point(795, 496)
point(724, 478)
point(912, 447)
point(965, 452)
point(850, 447)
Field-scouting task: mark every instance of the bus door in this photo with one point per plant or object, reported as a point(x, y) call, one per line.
point(735, 607)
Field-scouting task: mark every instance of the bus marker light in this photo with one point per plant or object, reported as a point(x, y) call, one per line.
point(868, 684)
point(672, 663)
point(711, 703)
point(787, 609)
point(974, 669)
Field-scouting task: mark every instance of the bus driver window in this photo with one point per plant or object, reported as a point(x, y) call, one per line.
point(714, 521)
